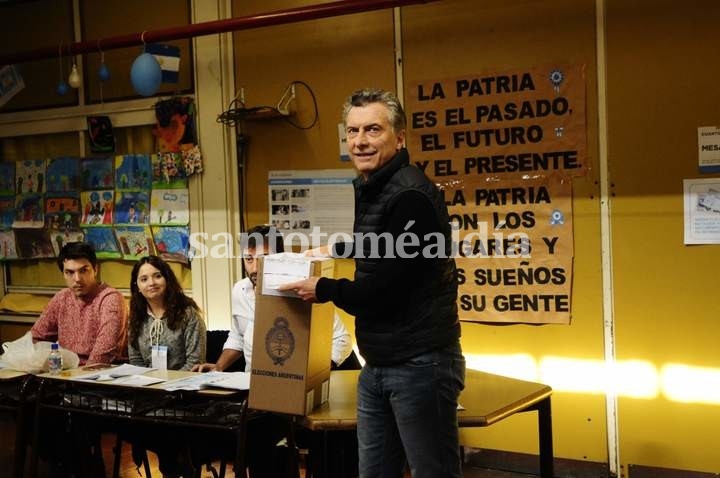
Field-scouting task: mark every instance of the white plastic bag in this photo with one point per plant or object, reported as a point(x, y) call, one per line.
point(25, 356)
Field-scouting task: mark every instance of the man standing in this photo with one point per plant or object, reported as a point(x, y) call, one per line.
point(403, 298)
point(88, 317)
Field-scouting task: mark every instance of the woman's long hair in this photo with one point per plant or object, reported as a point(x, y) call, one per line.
point(176, 302)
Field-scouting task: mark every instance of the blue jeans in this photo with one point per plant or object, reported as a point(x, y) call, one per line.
point(409, 412)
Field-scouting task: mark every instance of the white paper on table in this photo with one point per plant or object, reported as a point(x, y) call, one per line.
point(283, 268)
point(127, 369)
point(231, 380)
point(137, 380)
point(192, 382)
point(123, 370)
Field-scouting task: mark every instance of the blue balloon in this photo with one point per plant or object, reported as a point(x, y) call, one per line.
point(103, 72)
point(146, 74)
point(62, 88)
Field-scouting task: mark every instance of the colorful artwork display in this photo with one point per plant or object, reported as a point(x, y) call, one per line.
point(33, 243)
point(63, 175)
point(100, 134)
point(62, 213)
point(30, 176)
point(97, 207)
point(7, 178)
point(168, 171)
point(175, 124)
point(108, 201)
point(97, 173)
point(135, 241)
point(28, 211)
point(133, 171)
point(170, 207)
point(7, 246)
point(103, 239)
point(60, 238)
point(132, 207)
point(7, 212)
point(172, 243)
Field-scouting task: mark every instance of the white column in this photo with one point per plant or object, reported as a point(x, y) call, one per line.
point(214, 193)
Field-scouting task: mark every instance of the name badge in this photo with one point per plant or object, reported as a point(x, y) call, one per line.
point(159, 357)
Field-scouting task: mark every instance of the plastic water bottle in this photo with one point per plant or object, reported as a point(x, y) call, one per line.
point(55, 363)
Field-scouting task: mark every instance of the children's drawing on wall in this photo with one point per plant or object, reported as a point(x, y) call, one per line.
point(28, 211)
point(135, 241)
point(30, 176)
point(169, 207)
point(63, 174)
point(62, 213)
point(97, 207)
point(100, 134)
point(133, 171)
point(132, 207)
point(175, 124)
point(33, 243)
point(7, 212)
point(60, 238)
point(172, 242)
point(7, 178)
point(168, 171)
point(192, 161)
point(97, 173)
point(103, 238)
point(7, 246)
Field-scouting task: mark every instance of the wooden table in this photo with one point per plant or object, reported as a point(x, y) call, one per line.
point(487, 399)
point(140, 404)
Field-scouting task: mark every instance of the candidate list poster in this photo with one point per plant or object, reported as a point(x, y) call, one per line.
point(504, 146)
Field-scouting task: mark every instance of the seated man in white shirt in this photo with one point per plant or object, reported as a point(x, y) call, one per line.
point(264, 431)
point(239, 341)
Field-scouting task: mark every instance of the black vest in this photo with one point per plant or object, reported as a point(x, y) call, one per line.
point(428, 319)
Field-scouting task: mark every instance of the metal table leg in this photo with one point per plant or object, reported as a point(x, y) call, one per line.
point(545, 437)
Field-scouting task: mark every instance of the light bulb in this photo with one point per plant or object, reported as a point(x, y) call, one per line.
point(74, 78)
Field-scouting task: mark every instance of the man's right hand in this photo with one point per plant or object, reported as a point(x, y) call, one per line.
point(203, 367)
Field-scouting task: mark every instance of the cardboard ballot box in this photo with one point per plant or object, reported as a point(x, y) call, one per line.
point(292, 340)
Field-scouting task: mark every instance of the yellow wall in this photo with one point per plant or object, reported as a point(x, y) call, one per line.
point(457, 38)
point(662, 85)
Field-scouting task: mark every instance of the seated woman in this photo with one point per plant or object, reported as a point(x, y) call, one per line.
point(162, 315)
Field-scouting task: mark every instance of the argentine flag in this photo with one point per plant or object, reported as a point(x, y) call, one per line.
point(169, 58)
